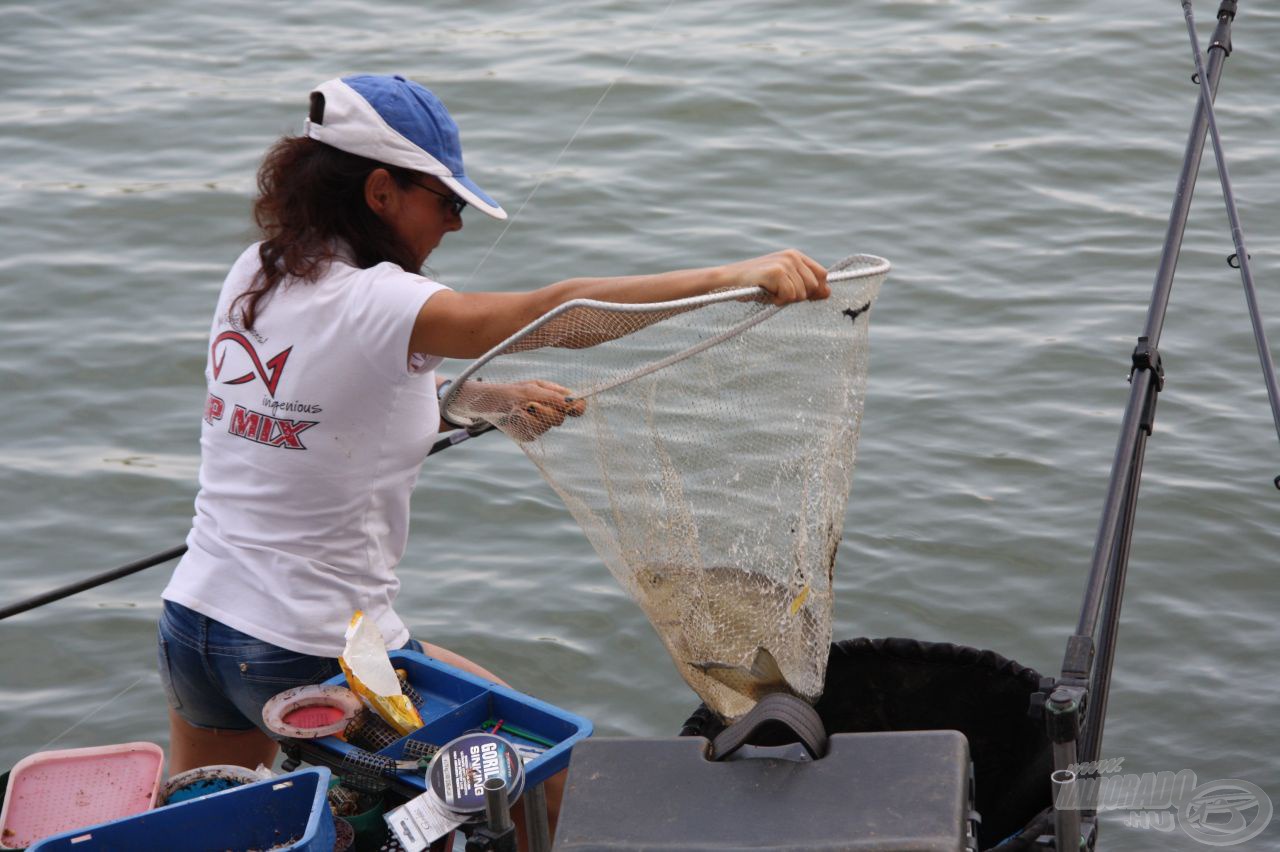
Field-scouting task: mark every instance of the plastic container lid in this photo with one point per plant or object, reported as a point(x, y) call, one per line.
point(55, 791)
point(308, 712)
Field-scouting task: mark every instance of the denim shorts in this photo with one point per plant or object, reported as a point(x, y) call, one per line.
point(217, 677)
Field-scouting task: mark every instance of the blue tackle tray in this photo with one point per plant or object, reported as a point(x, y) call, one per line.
point(455, 702)
point(288, 812)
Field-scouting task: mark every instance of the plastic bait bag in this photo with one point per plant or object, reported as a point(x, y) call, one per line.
point(369, 674)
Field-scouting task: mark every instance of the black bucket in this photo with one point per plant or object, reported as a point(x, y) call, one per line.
point(908, 685)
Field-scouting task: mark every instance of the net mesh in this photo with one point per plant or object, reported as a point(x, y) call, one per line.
point(709, 463)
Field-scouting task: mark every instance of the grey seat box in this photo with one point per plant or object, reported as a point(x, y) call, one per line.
point(872, 792)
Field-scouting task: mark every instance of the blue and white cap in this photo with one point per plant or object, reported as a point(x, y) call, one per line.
point(400, 123)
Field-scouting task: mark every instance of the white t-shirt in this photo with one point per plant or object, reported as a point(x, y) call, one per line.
point(315, 428)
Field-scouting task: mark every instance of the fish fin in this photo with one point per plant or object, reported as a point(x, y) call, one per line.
point(765, 667)
point(763, 676)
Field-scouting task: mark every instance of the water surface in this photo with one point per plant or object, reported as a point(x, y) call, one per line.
point(1015, 162)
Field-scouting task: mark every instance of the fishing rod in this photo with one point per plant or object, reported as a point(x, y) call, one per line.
point(1220, 49)
point(1241, 257)
point(1105, 590)
point(1075, 705)
point(452, 440)
point(1146, 379)
point(92, 582)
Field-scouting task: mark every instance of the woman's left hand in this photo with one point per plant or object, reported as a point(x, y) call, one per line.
point(523, 410)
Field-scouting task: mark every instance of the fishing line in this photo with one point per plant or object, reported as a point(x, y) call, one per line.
point(609, 88)
point(95, 711)
point(1233, 216)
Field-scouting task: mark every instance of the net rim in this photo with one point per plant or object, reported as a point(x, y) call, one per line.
point(851, 268)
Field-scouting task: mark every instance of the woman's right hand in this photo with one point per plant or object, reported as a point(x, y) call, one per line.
point(786, 276)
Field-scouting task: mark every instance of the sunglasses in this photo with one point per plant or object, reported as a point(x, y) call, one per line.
point(451, 201)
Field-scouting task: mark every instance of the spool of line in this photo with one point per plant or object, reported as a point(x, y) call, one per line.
point(459, 770)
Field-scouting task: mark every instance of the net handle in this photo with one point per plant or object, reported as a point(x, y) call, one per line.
point(617, 307)
point(850, 268)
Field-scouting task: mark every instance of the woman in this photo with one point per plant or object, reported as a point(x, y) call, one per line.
point(322, 403)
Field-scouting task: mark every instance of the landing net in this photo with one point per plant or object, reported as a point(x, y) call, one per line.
point(710, 466)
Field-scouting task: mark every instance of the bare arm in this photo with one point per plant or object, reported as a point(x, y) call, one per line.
point(466, 325)
point(443, 426)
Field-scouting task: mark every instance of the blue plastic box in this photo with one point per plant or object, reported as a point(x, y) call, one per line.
point(456, 702)
point(264, 815)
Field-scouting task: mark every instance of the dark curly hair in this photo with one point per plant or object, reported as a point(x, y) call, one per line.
point(310, 196)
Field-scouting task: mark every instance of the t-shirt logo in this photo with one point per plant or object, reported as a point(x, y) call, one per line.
point(270, 374)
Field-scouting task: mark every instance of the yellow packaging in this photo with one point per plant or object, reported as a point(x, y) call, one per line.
point(369, 674)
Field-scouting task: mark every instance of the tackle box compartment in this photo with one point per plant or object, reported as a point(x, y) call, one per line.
point(455, 702)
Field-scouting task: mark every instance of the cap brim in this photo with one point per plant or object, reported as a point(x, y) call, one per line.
point(474, 195)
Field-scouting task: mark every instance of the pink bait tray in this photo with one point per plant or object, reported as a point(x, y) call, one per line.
point(54, 791)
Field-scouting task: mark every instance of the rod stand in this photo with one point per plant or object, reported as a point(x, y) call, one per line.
point(1147, 357)
point(537, 825)
point(1077, 664)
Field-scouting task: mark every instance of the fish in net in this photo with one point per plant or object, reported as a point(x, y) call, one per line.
point(709, 463)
